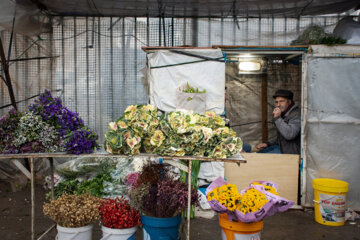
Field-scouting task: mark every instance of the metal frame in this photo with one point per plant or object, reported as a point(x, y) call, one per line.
point(239, 159)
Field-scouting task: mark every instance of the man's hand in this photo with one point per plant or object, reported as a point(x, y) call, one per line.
point(276, 112)
point(261, 146)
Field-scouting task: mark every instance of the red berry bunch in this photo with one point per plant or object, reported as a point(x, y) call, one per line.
point(117, 213)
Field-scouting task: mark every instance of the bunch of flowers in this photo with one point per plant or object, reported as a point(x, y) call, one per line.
point(73, 210)
point(174, 134)
point(54, 113)
point(82, 140)
point(35, 135)
point(227, 195)
point(117, 213)
point(195, 135)
point(250, 205)
point(252, 201)
point(8, 125)
point(124, 135)
point(75, 136)
point(156, 193)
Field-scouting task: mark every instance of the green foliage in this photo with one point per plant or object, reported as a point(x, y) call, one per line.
point(93, 186)
point(317, 35)
point(189, 89)
point(332, 40)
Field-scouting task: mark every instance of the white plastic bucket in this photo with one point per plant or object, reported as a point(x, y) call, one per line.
point(254, 236)
point(118, 234)
point(80, 233)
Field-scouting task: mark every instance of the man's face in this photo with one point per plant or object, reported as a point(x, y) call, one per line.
point(282, 103)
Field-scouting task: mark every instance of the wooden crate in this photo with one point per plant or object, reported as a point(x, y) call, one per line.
point(282, 169)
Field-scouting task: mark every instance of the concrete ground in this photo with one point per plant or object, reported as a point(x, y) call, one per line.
point(291, 225)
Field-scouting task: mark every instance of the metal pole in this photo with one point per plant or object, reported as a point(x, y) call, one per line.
point(264, 107)
point(75, 67)
point(63, 59)
point(32, 184)
point(112, 69)
point(189, 200)
point(52, 177)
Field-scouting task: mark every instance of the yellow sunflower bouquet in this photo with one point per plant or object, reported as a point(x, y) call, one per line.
point(251, 204)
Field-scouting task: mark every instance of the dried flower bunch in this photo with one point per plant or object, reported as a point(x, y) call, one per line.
point(73, 210)
point(117, 213)
point(42, 136)
point(173, 134)
point(8, 125)
point(156, 193)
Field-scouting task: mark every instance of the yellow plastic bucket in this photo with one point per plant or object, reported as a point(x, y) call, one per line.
point(329, 202)
point(239, 230)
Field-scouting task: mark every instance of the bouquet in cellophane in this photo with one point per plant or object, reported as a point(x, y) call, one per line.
point(252, 204)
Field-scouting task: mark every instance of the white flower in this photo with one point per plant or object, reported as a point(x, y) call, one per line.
point(113, 126)
point(207, 133)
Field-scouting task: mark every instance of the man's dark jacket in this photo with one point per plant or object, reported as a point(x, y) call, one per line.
point(288, 131)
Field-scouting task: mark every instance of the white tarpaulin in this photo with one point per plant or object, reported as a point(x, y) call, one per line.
point(171, 70)
point(332, 119)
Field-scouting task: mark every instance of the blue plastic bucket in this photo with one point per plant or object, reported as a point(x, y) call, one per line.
point(160, 228)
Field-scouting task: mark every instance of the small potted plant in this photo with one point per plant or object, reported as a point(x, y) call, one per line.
point(161, 199)
point(74, 215)
point(119, 219)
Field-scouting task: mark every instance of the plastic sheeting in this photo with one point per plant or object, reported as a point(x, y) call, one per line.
point(332, 122)
point(348, 29)
point(168, 71)
point(27, 18)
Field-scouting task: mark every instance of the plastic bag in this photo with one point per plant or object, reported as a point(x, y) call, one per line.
point(274, 205)
point(117, 186)
point(191, 101)
point(84, 167)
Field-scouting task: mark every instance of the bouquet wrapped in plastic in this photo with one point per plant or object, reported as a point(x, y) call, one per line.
point(252, 204)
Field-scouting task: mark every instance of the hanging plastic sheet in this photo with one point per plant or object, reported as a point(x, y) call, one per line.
point(332, 119)
point(169, 70)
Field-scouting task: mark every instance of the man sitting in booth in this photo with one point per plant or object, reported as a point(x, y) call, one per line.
point(287, 122)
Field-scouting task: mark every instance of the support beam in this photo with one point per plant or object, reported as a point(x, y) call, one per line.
point(5, 68)
point(21, 168)
point(264, 108)
point(32, 198)
point(189, 201)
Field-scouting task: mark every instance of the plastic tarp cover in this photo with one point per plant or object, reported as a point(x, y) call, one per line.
point(168, 71)
point(28, 18)
point(332, 124)
point(348, 29)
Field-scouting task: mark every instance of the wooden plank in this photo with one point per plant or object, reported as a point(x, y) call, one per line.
point(259, 46)
point(282, 169)
point(150, 48)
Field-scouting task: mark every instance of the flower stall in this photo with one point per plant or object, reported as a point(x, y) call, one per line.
point(50, 130)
